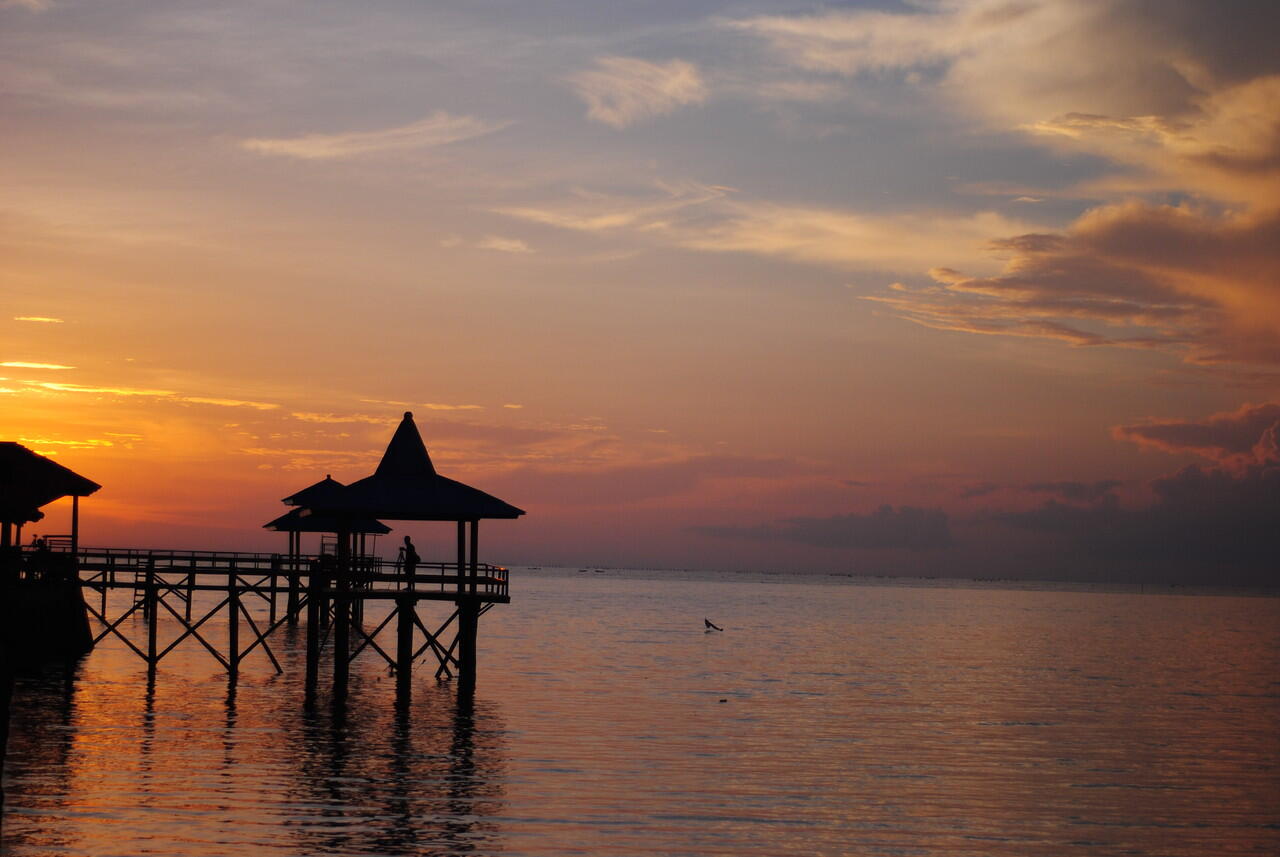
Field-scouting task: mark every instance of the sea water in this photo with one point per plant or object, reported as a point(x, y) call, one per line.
point(829, 717)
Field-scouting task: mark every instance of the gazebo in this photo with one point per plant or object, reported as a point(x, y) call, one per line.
point(27, 482)
point(406, 487)
point(42, 612)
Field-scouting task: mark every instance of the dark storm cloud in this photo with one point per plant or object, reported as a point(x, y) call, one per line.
point(884, 529)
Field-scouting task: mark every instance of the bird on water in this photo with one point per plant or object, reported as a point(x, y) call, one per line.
point(711, 626)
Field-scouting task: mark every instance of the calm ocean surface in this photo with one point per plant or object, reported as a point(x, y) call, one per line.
point(829, 718)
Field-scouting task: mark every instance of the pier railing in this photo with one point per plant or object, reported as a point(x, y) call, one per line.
point(117, 567)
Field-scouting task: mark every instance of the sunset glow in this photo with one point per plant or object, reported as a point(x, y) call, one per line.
point(929, 288)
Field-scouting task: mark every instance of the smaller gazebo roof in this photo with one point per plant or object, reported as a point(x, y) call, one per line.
point(326, 490)
point(406, 487)
point(306, 521)
point(29, 480)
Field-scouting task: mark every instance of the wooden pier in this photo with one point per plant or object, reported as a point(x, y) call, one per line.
point(179, 585)
point(330, 590)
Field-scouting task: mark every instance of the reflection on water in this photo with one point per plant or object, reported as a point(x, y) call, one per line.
point(828, 718)
point(113, 763)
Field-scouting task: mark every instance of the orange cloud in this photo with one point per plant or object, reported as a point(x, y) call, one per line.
point(1241, 438)
point(1176, 277)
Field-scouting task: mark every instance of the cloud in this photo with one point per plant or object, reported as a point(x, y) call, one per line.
point(29, 5)
point(1236, 439)
point(38, 318)
point(845, 239)
point(1178, 97)
point(980, 489)
point(503, 245)
point(1205, 525)
point(620, 91)
point(141, 392)
point(1134, 274)
point(708, 218)
point(1076, 492)
point(884, 529)
point(652, 211)
point(21, 364)
point(227, 403)
point(438, 129)
point(1183, 91)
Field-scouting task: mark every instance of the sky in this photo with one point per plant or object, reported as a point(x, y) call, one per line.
point(946, 287)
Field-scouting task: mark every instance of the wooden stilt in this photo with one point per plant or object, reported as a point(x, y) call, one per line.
point(150, 595)
point(342, 618)
point(468, 624)
point(314, 584)
point(275, 584)
point(406, 606)
point(291, 608)
point(233, 626)
point(75, 534)
point(473, 572)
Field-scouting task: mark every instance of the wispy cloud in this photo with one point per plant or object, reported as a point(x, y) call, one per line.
point(29, 5)
point(620, 91)
point(22, 364)
point(503, 245)
point(438, 129)
point(706, 217)
point(38, 318)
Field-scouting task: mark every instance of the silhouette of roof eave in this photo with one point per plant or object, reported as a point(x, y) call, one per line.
point(434, 499)
point(302, 520)
point(28, 481)
point(327, 487)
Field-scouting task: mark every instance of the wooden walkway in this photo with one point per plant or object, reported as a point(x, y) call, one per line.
point(283, 589)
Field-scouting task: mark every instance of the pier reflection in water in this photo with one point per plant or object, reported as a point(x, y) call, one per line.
point(209, 767)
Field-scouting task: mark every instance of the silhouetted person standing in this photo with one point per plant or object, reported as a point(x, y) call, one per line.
point(411, 560)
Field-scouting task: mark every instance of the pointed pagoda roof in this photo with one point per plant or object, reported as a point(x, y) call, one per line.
point(406, 456)
point(406, 487)
point(29, 480)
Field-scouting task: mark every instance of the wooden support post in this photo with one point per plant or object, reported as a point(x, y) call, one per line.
point(191, 594)
point(149, 606)
point(315, 582)
point(275, 580)
point(291, 608)
point(233, 626)
point(475, 551)
point(108, 574)
point(462, 553)
point(406, 606)
point(75, 535)
point(468, 625)
point(342, 618)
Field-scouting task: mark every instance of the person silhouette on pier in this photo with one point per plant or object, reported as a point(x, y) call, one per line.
point(411, 560)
